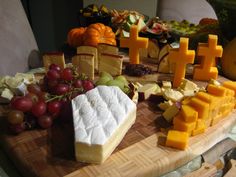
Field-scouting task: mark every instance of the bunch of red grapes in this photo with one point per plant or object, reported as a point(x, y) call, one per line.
point(45, 100)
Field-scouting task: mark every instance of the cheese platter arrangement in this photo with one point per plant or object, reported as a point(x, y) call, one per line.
point(103, 116)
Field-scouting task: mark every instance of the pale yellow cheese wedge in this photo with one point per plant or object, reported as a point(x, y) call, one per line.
point(111, 63)
point(56, 58)
point(85, 62)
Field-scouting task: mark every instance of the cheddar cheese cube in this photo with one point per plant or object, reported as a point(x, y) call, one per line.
point(188, 113)
point(216, 90)
point(177, 139)
point(201, 107)
point(200, 127)
point(231, 85)
point(181, 125)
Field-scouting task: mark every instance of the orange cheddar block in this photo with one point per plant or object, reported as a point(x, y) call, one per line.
point(199, 74)
point(208, 51)
point(230, 85)
point(201, 107)
point(216, 90)
point(211, 99)
point(180, 58)
point(181, 125)
point(188, 113)
point(54, 58)
point(200, 127)
point(216, 119)
point(186, 100)
point(134, 43)
point(177, 139)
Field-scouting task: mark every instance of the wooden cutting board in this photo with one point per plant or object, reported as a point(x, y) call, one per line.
point(50, 153)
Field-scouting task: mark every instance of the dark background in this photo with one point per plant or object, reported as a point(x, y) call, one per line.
point(51, 20)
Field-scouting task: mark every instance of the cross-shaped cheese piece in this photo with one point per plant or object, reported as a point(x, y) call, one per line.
point(181, 57)
point(134, 43)
point(208, 51)
point(85, 62)
point(54, 58)
point(89, 50)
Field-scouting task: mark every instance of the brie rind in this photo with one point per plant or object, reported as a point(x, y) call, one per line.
point(101, 118)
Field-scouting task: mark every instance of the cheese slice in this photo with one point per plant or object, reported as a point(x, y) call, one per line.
point(85, 62)
point(106, 48)
point(89, 50)
point(111, 63)
point(56, 58)
point(101, 118)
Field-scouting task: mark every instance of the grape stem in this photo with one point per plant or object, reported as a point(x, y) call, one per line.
point(68, 94)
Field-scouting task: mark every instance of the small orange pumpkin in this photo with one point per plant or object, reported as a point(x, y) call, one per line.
point(99, 33)
point(75, 36)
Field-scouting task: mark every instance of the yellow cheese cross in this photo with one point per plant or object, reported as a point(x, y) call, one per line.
point(209, 51)
point(181, 57)
point(134, 42)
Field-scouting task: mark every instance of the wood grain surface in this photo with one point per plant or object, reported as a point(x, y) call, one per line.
point(50, 153)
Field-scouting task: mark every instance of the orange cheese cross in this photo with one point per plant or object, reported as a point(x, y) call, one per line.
point(134, 42)
point(208, 51)
point(181, 57)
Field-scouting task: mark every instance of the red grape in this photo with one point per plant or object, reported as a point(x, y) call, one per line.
point(61, 89)
point(87, 85)
point(32, 96)
point(34, 88)
point(54, 67)
point(39, 109)
point(52, 84)
point(54, 107)
point(53, 75)
point(67, 74)
point(77, 83)
point(22, 103)
point(17, 128)
point(15, 117)
point(45, 121)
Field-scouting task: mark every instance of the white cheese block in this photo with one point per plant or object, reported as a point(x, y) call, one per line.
point(101, 118)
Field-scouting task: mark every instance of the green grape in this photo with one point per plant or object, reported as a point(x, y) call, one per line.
point(123, 79)
point(126, 90)
point(103, 74)
point(103, 80)
point(118, 83)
